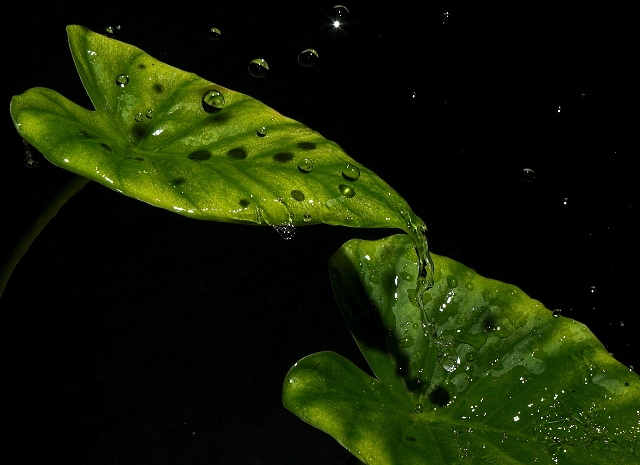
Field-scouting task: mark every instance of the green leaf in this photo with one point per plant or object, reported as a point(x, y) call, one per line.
point(180, 142)
point(483, 374)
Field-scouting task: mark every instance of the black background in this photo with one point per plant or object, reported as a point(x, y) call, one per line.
point(133, 335)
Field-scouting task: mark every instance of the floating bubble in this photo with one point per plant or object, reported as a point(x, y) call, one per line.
point(305, 165)
point(351, 172)
point(213, 101)
point(339, 15)
point(214, 34)
point(258, 68)
point(528, 175)
point(262, 132)
point(346, 190)
point(122, 80)
point(308, 57)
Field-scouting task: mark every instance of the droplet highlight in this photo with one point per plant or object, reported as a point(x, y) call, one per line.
point(258, 68)
point(214, 34)
point(305, 165)
point(122, 80)
point(308, 57)
point(351, 172)
point(213, 101)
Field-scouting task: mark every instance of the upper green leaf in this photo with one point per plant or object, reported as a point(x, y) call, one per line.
point(483, 374)
point(177, 141)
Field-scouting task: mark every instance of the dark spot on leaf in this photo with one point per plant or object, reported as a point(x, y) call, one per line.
point(199, 155)
point(626, 383)
point(440, 396)
point(410, 438)
point(138, 131)
point(283, 157)
point(178, 181)
point(142, 66)
point(488, 324)
point(237, 153)
point(298, 195)
point(159, 88)
point(244, 203)
point(106, 146)
point(307, 145)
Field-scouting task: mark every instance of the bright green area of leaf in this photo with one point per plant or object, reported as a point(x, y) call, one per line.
point(484, 374)
point(159, 135)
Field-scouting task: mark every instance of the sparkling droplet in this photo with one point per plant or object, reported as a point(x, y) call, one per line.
point(446, 17)
point(262, 132)
point(308, 57)
point(528, 175)
point(306, 218)
point(305, 165)
point(111, 31)
point(122, 80)
point(214, 34)
point(339, 15)
point(150, 113)
point(351, 172)
point(139, 118)
point(419, 408)
point(258, 68)
point(213, 101)
point(286, 231)
point(556, 313)
point(346, 190)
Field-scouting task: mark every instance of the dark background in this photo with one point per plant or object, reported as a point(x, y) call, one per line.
point(132, 335)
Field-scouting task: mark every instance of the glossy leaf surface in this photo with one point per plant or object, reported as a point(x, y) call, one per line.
point(484, 375)
point(180, 142)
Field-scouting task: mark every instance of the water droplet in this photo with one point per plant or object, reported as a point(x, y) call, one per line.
point(339, 15)
point(212, 101)
point(452, 282)
point(565, 201)
point(528, 175)
point(150, 113)
point(308, 57)
point(406, 341)
point(556, 313)
point(446, 17)
point(351, 172)
point(214, 34)
point(306, 218)
point(346, 190)
point(262, 132)
point(419, 408)
point(122, 80)
point(286, 231)
point(111, 31)
point(305, 165)
point(471, 356)
point(139, 117)
point(258, 68)
point(593, 289)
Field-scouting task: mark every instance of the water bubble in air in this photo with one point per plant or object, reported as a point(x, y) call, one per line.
point(528, 175)
point(214, 34)
point(308, 57)
point(122, 80)
point(258, 68)
point(213, 101)
point(339, 15)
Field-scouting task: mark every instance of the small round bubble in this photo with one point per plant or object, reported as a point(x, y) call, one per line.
point(308, 57)
point(258, 68)
point(122, 80)
point(214, 34)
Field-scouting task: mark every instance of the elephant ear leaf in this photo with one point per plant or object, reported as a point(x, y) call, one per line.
point(180, 142)
point(481, 373)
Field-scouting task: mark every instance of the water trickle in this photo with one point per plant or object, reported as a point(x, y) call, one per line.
point(214, 34)
point(339, 15)
point(351, 172)
point(528, 175)
point(258, 68)
point(305, 165)
point(308, 57)
point(262, 132)
point(286, 231)
point(346, 190)
point(122, 80)
point(213, 101)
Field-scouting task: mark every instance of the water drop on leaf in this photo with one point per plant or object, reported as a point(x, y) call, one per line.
point(346, 190)
point(212, 101)
point(122, 80)
point(351, 172)
point(305, 165)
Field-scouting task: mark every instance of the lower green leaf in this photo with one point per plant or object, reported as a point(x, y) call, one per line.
point(477, 372)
